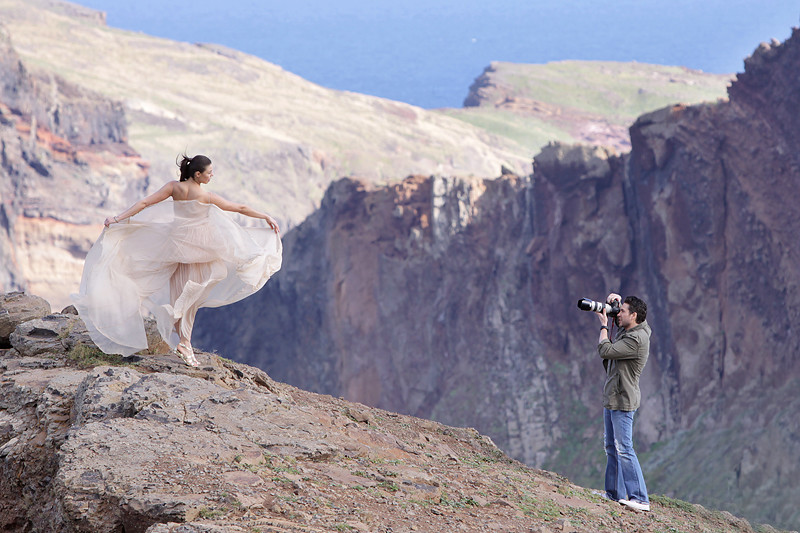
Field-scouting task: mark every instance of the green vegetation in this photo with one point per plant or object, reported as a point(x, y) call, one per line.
point(535, 104)
point(458, 503)
point(287, 470)
point(529, 132)
point(666, 501)
point(617, 91)
point(545, 510)
point(210, 514)
point(391, 486)
point(87, 356)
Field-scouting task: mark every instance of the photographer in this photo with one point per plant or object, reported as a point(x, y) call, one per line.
point(624, 360)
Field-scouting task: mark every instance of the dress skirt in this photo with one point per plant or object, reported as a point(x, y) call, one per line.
point(170, 260)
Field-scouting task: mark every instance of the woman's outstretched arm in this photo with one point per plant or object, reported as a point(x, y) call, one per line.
point(159, 196)
point(226, 205)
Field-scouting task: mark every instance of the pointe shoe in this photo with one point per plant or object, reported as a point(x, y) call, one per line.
point(189, 357)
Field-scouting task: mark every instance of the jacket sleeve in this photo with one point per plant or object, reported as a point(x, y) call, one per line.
point(624, 348)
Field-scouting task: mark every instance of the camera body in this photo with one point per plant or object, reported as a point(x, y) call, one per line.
point(612, 309)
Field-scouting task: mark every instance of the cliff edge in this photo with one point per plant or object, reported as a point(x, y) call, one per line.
point(98, 443)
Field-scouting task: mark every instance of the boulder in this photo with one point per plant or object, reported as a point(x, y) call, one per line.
point(61, 333)
point(16, 308)
point(55, 333)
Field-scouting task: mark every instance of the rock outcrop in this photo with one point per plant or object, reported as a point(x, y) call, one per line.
point(18, 307)
point(64, 166)
point(455, 298)
point(99, 444)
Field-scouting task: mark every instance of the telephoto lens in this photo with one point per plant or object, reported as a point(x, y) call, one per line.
point(585, 304)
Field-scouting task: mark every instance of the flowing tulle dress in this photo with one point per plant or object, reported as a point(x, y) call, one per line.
point(169, 260)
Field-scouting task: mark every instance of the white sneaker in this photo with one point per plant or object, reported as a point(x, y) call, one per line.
point(637, 506)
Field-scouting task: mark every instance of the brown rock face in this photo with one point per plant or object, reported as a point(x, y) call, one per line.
point(455, 299)
point(64, 166)
point(414, 297)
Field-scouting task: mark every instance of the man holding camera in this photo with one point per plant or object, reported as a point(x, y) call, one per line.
point(624, 360)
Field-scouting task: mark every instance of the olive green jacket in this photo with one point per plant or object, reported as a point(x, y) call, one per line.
point(624, 360)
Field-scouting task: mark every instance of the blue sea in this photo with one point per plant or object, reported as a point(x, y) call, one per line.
point(428, 52)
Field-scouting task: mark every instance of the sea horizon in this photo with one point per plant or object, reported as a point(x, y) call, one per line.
point(428, 53)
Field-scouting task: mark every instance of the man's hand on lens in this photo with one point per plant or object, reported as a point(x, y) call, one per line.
point(603, 318)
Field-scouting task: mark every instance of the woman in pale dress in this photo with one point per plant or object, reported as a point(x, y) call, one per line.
point(171, 258)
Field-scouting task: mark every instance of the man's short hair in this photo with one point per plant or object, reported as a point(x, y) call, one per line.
point(637, 306)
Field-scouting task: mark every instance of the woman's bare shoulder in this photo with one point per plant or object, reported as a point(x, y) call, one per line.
point(181, 191)
point(177, 189)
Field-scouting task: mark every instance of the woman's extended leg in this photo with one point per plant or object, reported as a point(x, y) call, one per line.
point(186, 286)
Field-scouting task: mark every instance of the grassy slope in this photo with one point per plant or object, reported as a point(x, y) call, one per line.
point(572, 93)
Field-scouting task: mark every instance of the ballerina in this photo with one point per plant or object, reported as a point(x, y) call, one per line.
point(171, 258)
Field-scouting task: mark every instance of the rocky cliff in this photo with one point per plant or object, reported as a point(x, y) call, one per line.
point(64, 166)
point(100, 444)
point(455, 298)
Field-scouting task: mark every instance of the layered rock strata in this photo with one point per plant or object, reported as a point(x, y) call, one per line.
point(64, 166)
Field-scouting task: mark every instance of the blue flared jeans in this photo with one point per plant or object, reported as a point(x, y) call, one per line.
point(624, 479)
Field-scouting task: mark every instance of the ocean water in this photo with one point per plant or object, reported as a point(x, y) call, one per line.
point(428, 52)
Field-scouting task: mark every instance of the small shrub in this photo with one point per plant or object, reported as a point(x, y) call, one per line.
point(87, 356)
point(210, 514)
point(389, 485)
point(459, 503)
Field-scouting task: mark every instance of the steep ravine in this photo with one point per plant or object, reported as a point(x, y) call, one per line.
point(455, 298)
